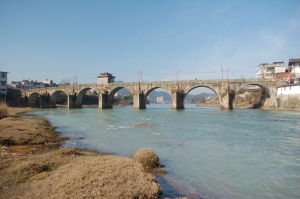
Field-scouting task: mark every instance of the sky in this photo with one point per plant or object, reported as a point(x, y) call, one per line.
point(160, 39)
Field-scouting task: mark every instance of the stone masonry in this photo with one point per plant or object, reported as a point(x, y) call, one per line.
point(225, 89)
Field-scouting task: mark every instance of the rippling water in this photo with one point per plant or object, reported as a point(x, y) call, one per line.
point(208, 153)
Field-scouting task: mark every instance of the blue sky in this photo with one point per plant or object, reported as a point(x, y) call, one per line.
point(58, 39)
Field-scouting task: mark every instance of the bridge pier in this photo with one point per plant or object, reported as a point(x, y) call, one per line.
point(45, 101)
point(177, 99)
point(139, 101)
point(105, 101)
point(22, 101)
point(226, 97)
point(72, 102)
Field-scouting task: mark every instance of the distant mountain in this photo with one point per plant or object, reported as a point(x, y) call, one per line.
point(191, 97)
point(124, 92)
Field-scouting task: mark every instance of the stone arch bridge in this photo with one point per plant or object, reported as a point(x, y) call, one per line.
point(225, 90)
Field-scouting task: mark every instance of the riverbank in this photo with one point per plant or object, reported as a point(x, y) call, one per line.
point(33, 165)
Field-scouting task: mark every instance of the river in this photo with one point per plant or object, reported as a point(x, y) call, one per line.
point(209, 153)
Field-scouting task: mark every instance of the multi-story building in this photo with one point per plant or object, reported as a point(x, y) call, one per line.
point(294, 68)
point(48, 83)
point(160, 100)
point(3, 84)
point(28, 84)
point(269, 71)
point(105, 78)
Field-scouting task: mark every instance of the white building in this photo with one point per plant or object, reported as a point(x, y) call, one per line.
point(105, 78)
point(294, 68)
point(268, 71)
point(289, 90)
point(3, 83)
point(160, 100)
point(48, 82)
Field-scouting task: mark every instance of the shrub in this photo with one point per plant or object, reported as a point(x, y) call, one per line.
point(3, 110)
point(147, 157)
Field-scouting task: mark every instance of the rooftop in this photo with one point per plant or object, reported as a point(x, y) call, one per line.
point(291, 61)
point(106, 74)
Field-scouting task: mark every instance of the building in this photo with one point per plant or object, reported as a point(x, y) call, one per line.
point(3, 84)
point(288, 97)
point(294, 68)
point(160, 100)
point(30, 84)
point(268, 71)
point(289, 90)
point(48, 82)
point(105, 78)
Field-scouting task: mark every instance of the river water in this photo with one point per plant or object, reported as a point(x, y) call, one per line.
point(209, 153)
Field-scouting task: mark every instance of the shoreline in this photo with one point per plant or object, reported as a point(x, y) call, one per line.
point(32, 157)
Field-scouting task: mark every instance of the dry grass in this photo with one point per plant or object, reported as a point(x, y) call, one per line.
point(104, 176)
point(36, 168)
point(147, 157)
point(3, 110)
point(27, 169)
point(22, 131)
point(24, 166)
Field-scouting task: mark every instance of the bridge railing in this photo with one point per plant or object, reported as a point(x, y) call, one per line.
point(254, 80)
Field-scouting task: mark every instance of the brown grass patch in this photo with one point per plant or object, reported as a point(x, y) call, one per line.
point(27, 169)
point(158, 171)
point(23, 131)
point(105, 176)
point(3, 110)
point(70, 151)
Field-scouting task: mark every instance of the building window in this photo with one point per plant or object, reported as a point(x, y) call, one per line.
point(3, 83)
point(3, 75)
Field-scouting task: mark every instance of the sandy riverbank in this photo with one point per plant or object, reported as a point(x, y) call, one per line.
point(33, 165)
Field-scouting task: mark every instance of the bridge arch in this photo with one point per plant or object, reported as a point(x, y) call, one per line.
point(156, 87)
point(116, 89)
point(82, 93)
point(59, 97)
point(148, 92)
point(202, 86)
point(248, 87)
point(120, 100)
point(34, 100)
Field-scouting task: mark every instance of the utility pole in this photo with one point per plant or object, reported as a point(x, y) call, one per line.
point(227, 74)
point(140, 76)
point(177, 78)
point(73, 83)
point(76, 79)
point(139, 79)
point(222, 71)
